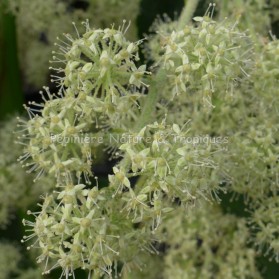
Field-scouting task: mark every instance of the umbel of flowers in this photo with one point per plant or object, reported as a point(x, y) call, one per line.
point(160, 175)
point(39, 23)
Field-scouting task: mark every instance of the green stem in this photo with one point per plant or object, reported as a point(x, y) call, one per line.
point(159, 80)
point(187, 13)
point(150, 103)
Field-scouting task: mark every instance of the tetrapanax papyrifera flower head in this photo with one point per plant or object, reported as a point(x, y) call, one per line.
point(209, 57)
point(163, 172)
point(101, 89)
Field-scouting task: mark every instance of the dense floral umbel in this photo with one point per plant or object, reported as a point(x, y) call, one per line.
point(203, 244)
point(160, 190)
point(84, 228)
point(250, 120)
point(101, 62)
point(254, 15)
point(101, 69)
point(207, 58)
point(39, 22)
point(170, 168)
point(100, 90)
point(265, 222)
point(17, 189)
point(208, 244)
point(52, 134)
point(75, 235)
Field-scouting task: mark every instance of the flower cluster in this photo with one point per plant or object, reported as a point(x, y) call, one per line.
point(159, 191)
point(252, 14)
point(205, 243)
point(80, 228)
point(102, 60)
point(210, 57)
point(17, 189)
point(250, 119)
point(75, 235)
point(169, 168)
point(39, 22)
point(98, 91)
point(265, 225)
point(102, 64)
point(63, 117)
point(218, 241)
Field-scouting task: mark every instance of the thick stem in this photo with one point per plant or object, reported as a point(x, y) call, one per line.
point(187, 13)
point(151, 100)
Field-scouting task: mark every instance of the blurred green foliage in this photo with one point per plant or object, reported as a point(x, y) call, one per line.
point(11, 97)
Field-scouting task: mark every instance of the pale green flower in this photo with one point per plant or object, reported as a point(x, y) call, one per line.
point(207, 244)
point(211, 58)
point(40, 22)
point(161, 190)
point(75, 232)
point(265, 225)
point(94, 95)
point(17, 189)
point(166, 169)
point(253, 15)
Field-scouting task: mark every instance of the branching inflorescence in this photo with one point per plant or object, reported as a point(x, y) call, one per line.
point(206, 72)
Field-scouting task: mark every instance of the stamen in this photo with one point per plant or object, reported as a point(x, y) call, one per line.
point(76, 29)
